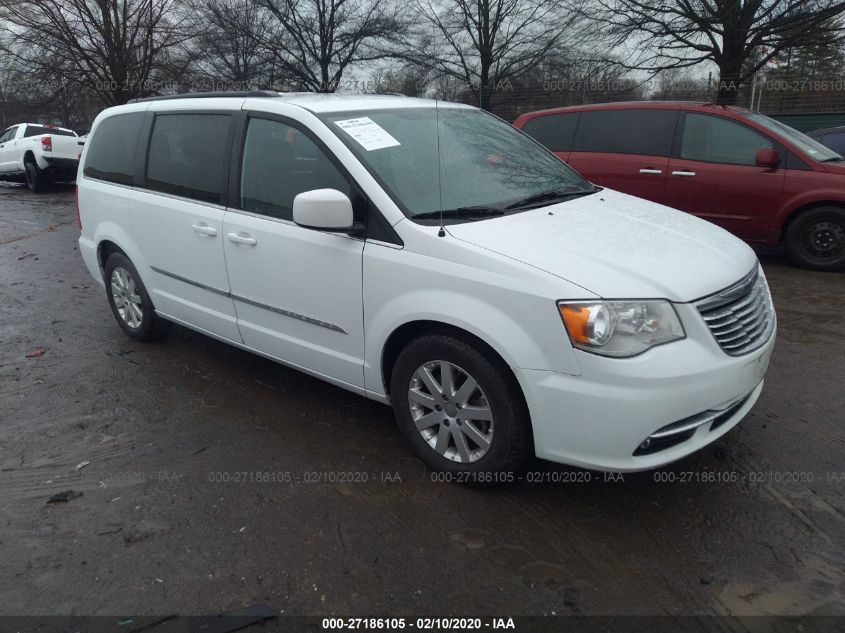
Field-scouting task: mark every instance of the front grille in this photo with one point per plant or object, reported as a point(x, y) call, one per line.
point(741, 317)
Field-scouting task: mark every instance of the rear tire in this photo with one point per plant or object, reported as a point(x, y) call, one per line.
point(475, 430)
point(130, 303)
point(35, 179)
point(816, 239)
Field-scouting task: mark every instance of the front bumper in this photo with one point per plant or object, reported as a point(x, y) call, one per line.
point(600, 418)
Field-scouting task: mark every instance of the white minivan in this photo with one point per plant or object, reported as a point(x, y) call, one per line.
point(430, 256)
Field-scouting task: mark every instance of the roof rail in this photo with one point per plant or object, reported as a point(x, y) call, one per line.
point(210, 95)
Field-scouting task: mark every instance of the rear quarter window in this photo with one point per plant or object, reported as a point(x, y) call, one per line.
point(38, 130)
point(186, 155)
point(111, 148)
point(555, 131)
point(636, 131)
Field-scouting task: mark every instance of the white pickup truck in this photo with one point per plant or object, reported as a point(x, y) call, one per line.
point(38, 154)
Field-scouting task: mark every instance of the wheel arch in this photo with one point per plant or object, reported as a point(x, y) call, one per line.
point(412, 330)
point(111, 237)
point(804, 208)
point(104, 249)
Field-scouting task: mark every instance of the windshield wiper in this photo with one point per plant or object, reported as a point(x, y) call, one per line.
point(460, 212)
point(556, 195)
point(833, 159)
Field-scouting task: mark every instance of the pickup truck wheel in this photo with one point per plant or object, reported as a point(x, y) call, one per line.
point(34, 177)
point(130, 303)
point(459, 409)
point(816, 239)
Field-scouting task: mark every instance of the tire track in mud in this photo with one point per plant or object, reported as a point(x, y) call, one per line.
point(27, 236)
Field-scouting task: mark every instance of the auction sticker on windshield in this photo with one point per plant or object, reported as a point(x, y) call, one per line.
point(368, 133)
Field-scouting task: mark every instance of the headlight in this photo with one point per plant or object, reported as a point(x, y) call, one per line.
point(620, 328)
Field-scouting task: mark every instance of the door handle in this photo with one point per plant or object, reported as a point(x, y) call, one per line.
point(203, 229)
point(651, 171)
point(242, 238)
point(688, 174)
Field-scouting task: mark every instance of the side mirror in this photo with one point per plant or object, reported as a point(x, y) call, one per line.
point(768, 158)
point(324, 210)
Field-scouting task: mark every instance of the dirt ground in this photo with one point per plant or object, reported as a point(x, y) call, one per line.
point(174, 520)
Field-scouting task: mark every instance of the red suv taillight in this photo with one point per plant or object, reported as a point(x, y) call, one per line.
point(78, 217)
point(47, 143)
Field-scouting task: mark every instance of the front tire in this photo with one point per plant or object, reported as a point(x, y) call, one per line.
point(816, 239)
point(460, 408)
point(130, 303)
point(35, 179)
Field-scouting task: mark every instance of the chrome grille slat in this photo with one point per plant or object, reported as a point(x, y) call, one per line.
point(750, 321)
point(734, 328)
point(716, 317)
point(755, 325)
point(737, 308)
point(760, 327)
point(740, 317)
point(750, 309)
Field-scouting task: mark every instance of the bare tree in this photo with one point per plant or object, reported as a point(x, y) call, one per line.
point(486, 44)
point(321, 38)
point(801, 78)
point(407, 79)
point(729, 33)
point(679, 84)
point(115, 48)
point(232, 40)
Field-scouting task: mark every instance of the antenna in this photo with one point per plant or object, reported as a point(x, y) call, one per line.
point(442, 231)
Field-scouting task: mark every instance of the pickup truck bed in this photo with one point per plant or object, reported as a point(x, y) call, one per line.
point(38, 154)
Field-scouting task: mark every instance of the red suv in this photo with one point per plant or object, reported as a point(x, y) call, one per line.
point(754, 176)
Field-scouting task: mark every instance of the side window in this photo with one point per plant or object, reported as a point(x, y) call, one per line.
point(793, 162)
point(637, 131)
point(716, 140)
point(280, 162)
point(8, 134)
point(38, 130)
point(111, 149)
point(186, 155)
point(555, 131)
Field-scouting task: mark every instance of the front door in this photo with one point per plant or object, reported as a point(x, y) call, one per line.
point(715, 176)
point(7, 150)
point(297, 291)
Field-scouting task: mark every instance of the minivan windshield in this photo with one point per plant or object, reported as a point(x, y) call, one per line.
point(461, 162)
point(811, 147)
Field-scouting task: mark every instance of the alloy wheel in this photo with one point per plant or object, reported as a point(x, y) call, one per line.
point(450, 411)
point(127, 301)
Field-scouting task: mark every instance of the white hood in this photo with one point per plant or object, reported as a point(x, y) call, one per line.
point(618, 247)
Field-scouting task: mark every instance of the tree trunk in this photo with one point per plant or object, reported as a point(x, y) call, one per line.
point(729, 82)
point(730, 63)
point(325, 84)
point(484, 88)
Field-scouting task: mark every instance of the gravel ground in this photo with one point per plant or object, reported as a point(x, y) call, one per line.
point(173, 520)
